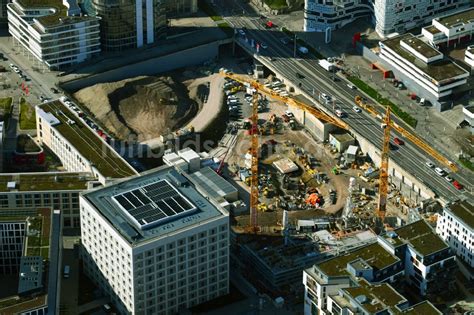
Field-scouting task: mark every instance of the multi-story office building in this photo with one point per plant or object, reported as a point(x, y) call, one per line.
point(388, 16)
point(77, 145)
point(450, 30)
point(130, 23)
point(54, 32)
point(456, 227)
point(22, 194)
point(429, 73)
point(155, 243)
point(30, 248)
point(361, 281)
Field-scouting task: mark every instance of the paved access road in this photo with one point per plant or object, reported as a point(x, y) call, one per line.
point(317, 80)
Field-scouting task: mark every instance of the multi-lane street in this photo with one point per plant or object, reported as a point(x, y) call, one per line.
point(316, 80)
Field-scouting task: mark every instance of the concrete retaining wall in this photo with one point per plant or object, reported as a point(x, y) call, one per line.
point(184, 58)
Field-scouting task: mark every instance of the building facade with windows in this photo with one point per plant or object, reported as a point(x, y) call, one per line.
point(55, 32)
point(450, 30)
point(388, 16)
point(364, 280)
point(12, 238)
point(130, 23)
point(456, 227)
point(154, 244)
point(430, 74)
point(30, 191)
point(77, 145)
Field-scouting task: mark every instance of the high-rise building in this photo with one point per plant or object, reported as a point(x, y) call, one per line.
point(55, 33)
point(456, 227)
point(155, 243)
point(388, 16)
point(130, 23)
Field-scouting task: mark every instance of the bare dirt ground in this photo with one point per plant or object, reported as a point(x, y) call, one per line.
point(145, 107)
point(302, 139)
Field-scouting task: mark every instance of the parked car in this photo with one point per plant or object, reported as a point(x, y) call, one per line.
point(398, 141)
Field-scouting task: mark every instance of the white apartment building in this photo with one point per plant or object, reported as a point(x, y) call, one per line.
point(450, 30)
point(388, 16)
point(423, 64)
point(154, 243)
point(54, 32)
point(456, 227)
point(469, 56)
point(361, 281)
point(78, 146)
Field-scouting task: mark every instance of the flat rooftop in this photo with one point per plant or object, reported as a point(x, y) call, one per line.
point(87, 143)
point(59, 13)
point(424, 307)
point(375, 298)
point(439, 70)
point(432, 29)
point(462, 17)
point(420, 46)
point(152, 205)
point(421, 237)
point(374, 255)
point(45, 181)
point(464, 211)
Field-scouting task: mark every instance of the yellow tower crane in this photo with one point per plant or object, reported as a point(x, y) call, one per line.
point(383, 179)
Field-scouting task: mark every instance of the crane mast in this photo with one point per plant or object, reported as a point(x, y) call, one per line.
point(383, 179)
point(254, 164)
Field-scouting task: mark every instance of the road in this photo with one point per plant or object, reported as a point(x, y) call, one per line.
point(317, 80)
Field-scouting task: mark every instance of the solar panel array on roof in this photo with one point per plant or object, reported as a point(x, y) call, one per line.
point(154, 203)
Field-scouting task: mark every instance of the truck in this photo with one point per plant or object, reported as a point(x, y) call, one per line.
point(326, 65)
point(303, 50)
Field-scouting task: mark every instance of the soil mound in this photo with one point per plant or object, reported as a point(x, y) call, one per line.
point(144, 107)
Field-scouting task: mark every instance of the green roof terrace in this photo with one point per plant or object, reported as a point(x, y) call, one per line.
point(45, 181)
point(421, 237)
point(375, 298)
point(456, 19)
point(87, 143)
point(464, 211)
point(58, 12)
point(421, 47)
point(424, 307)
point(375, 255)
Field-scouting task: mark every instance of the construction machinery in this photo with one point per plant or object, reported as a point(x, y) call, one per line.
point(408, 135)
point(221, 164)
